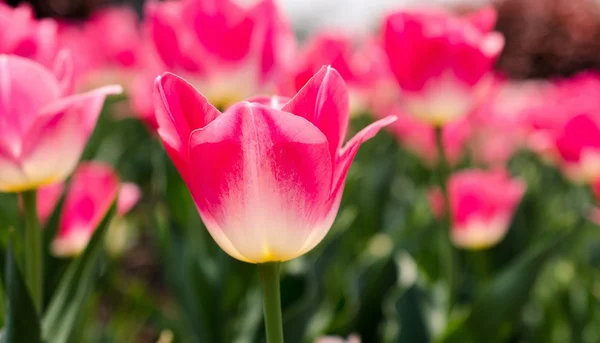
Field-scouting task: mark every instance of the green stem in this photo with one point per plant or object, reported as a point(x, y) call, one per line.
point(34, 263)
point(447, 250)
point(269, 278)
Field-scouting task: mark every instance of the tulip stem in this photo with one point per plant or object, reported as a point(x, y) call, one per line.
point(447, 251)
point(269, 278)
point(33, 249)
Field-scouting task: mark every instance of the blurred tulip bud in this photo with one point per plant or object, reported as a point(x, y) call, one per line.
point(119, 234)
point(93, 188)
point(277, 168)
point(47, 199)
point(440, 61)
point(482, 204)
point(42, 131)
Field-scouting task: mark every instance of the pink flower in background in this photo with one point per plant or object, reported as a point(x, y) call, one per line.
point(23, 35)
point(335, 339)
point(109, 47)
point(359, 63)
point(441, 62)
point(419, 137)
point(92, 190)
point(42, 130)
point(551, 105)
point(267, 176)
point(228, 51)
point(482, 205)
point(579, 147)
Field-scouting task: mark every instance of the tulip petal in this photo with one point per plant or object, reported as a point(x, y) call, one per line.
point(180, 109)
point(324, 102)
point(262, 178)
point(55, 142)
point(25, 87)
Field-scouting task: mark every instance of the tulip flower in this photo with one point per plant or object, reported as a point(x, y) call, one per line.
point(441, 62)
point(227, 50)
point(267, 176)
point(23, 35)
point(42, 130)
point(482, 204)
point(579, 148)
point(92, 190)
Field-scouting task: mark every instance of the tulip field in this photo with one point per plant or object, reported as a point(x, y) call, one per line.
point(203, 171)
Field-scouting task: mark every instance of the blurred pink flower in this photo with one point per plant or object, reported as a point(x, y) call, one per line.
point(92, 190)
point(277, 168)
point(42, 131)
point(23, 35)
point(579, 147)
point(228, 51)
point(440, 61)
point(108, 46)
point(552, 104)
point(482, 205)
point(336, 339)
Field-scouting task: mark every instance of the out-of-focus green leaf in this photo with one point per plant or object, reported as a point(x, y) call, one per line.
point(73, 290)
point(22, 321)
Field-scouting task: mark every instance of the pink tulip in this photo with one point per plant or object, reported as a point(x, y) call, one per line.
point(92, 190)
point(335, 339)
point(553, 106)
point(482, 204)
point(23, 35)
point(267, 176)
point(579, 147)
point(42, 130)
point(229, 51)
point(441, 62)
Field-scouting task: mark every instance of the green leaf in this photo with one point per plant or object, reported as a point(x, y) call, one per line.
point(22, 321)
point(74, 288)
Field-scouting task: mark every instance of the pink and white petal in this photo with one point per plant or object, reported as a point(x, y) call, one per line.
point(267, 183)
point(12, 178)
point(483, 19)
point(275, 101)
point(180, 109)
point(129, 196)
point(346, 155)
point(324, 101)
point(25, 88)
point(54, 144)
